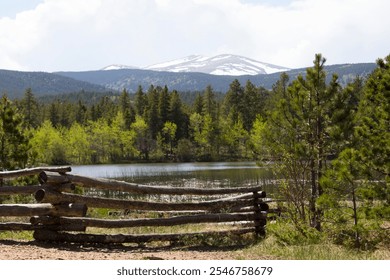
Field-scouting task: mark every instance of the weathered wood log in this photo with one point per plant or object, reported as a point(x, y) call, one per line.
point(66, 187)
point(17, 190)
point(45, 220)
point(33, 171)
point(26, 190)
point(52, 178)
point(48, 235)
point(161, 222)
point(43, 209)
point(27, 226)
point(259, 223)
point(108, 184)
point(95, 202)
point(242, 196)
point(264, 207)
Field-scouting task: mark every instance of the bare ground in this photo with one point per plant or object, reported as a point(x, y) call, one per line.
point(32, 250)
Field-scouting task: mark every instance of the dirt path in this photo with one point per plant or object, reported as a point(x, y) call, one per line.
point(31, 250)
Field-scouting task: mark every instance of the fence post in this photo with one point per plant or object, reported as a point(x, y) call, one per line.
point(259, 222)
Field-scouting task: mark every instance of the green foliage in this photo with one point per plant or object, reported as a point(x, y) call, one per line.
point(287, 234)
point(78, 147)
point(297, 128)
point(14, 140)
point(357, 186)
point(372, 130)
point(48, 144)
point(331, 145)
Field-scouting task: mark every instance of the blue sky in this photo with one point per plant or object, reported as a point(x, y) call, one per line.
point(55, 35)
point(9, 8)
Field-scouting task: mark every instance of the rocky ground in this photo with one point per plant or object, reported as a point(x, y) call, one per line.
point(32, 250)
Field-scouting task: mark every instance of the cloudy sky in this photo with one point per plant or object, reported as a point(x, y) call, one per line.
point(54, 35)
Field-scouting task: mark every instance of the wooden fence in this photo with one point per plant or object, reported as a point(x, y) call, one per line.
point(61, 213)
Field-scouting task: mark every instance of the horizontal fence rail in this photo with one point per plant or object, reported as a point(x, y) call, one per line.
point(62, 208)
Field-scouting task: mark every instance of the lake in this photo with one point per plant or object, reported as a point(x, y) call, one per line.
point(194, 174)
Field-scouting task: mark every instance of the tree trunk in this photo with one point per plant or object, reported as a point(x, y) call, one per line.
point(33, 171)
point(173, 221)
point(27, 226)
point(95, 202)
point(107, 184)
point(44, 209)
point(48, 235)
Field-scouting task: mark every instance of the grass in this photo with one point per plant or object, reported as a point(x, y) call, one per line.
point(270, 248)
point(16, 235)
point(282, 241)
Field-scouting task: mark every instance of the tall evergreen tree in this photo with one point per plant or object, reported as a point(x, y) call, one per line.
point(29, 109)
point(127, 110)
point(357, 187)
point(373, 127)
point(163, 106)
point(198, 104)
point(177, 115)
point(209, 103)
point(250, 105)
point(14, 142)
point(298, 133)
point(140, 102)
point(232, 102)
point(81, 113)
point(152, 114)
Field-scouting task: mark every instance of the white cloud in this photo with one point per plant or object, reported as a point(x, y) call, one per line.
point(89, 34)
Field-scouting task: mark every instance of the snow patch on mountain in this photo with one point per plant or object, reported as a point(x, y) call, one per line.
point(118, 67)
point(224, 64)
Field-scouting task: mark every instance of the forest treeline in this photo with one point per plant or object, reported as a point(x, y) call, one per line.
point(331, 144)
point(151, 125)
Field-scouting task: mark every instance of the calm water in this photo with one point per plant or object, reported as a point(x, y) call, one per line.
point(216, 174)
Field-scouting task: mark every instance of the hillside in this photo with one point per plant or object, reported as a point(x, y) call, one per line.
point(190, 81)
point(224, 64)
point(15, 83)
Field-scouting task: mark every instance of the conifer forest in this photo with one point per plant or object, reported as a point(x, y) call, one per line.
point(330, 144)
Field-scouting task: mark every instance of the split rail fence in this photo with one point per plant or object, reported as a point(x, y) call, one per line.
point(61, 214)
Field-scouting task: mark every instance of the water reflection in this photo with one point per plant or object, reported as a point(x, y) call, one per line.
point(215, 174)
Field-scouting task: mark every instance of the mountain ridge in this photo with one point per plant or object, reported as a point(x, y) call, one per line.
point(223, 64)
point(14, 83)
point(130, 79)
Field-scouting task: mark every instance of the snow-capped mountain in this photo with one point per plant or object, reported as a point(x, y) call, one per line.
point(118, 67)
point(224, 64)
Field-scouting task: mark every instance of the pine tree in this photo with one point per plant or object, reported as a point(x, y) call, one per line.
point(152, 113)
point(14, 142)
point(81, 113)
point(233, 103)
point(373, 125)
point(126, 109)
point(140, 102)
point(209, 103)
point(163, 106)
point(29, 109)
point(198, 104)
point(357, 187)
point(177, 115)
point(250, 105)
point(298, 134)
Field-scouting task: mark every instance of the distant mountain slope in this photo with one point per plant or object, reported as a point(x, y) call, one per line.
point(224, 64)
point(189, 81)
point(15, 83)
